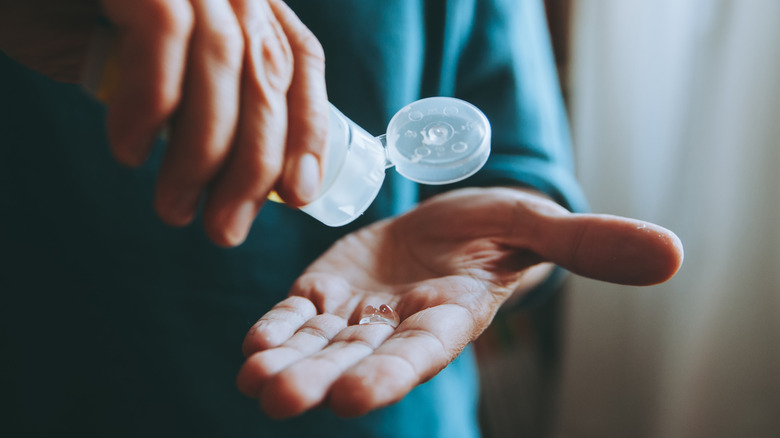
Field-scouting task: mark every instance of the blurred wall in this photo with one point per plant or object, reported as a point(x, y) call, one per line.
point(675, 109)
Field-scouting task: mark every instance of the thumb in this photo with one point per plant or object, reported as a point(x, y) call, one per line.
point(609, 248)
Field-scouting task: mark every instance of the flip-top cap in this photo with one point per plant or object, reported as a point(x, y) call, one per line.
point(438, 140)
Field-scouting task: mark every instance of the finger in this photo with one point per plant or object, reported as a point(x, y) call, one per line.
point(313, 336)
point(256, 163)
point(205, 122)
point(308, 110)
point(421, 347)
point(305, 384)
point(278, 324)
point(603, 247)
point(610, 248)
point(154, 36)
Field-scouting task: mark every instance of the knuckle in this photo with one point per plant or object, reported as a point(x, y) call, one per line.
point(266, 165)
point(276, 58)
point(260, 172)
point(310, 135)
point(162, 101)
point(277, 43)
point(173, 19)
point(310, 49)
point(318, 130)
point(225, 44)
point(302, 40)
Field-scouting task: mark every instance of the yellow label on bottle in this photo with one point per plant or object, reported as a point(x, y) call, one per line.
point(274, 197)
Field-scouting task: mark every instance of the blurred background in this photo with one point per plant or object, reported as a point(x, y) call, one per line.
point(675, 115)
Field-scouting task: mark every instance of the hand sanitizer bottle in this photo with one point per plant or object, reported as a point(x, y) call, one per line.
point(438, 140)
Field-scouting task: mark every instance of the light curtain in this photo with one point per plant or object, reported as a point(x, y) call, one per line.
point(675, 109)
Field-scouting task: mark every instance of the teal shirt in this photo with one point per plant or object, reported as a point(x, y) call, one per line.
point(113, 324)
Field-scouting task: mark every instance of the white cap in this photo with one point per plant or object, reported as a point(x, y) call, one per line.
point(438, 140)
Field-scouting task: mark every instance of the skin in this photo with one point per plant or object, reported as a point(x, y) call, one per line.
point(238, 83)
point(240, 86)
point(446, 279)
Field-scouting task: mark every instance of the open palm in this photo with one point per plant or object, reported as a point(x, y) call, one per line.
point(446, 267)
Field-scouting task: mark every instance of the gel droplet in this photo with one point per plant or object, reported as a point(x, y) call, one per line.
point(383, 315)
point(415, 116)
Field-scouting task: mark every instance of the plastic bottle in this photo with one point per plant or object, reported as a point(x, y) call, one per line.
point(438, 140)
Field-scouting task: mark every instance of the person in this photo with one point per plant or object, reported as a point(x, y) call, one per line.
point(127, 294)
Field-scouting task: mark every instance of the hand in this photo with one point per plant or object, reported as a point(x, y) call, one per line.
point(219, 74)
point(446, 267)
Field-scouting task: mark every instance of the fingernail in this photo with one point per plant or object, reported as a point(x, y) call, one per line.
point(308, 177)
point(182, 208)
point(238, 224)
